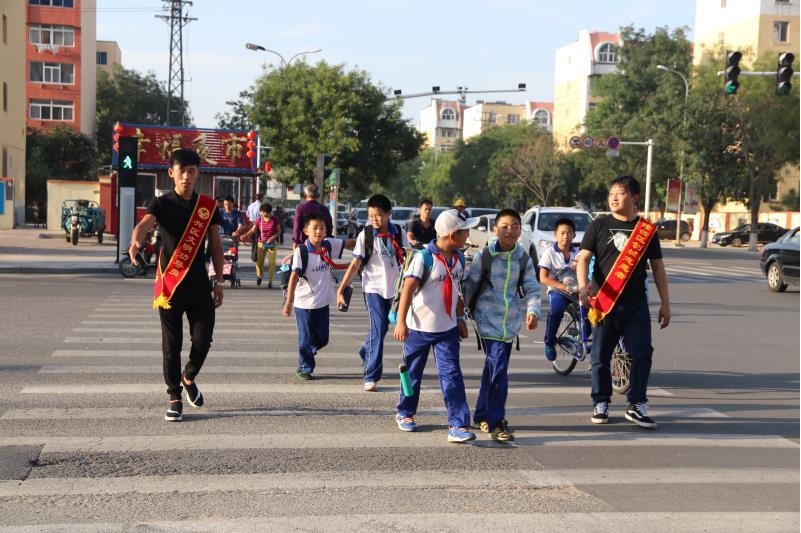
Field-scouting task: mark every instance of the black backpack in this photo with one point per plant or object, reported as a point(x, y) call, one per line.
point(304, 264)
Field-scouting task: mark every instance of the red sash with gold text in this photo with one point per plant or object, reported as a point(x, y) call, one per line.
point(619, 276)
point(185, 252)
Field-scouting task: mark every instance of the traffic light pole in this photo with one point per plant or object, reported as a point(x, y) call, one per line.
point(648, 164)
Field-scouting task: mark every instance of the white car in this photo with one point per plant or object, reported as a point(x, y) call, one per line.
point(400, 216)
point(538, 226)
point(480, 235)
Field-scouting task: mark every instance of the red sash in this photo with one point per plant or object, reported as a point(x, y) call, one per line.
point(619, 276)
point(184, 254)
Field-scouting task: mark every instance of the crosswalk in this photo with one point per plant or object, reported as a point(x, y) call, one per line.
point(709, 271)
point(270, 453)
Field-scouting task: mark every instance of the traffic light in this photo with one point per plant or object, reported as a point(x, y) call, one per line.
point(127, 163)
point(784, 74)
point(732, 71)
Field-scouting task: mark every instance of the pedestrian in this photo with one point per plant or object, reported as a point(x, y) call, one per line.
point(253, 214)
point(421, 232)
point(182, 286)
point(557, 267)
point(266, 228)
point(431, 315)
point(231, 218)
point(378, 256)
point(311, 205)
point(311, 289)
point(458, 204)
point(280, 216)
point(499, 275)
point(620, 242)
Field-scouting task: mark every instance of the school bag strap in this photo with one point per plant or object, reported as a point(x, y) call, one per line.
point(369, 243)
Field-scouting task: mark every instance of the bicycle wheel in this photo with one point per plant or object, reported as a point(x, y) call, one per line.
point(568, 342)
point(621, 370)
point(127, 268)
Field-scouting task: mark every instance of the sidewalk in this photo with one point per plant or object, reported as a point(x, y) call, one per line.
point(39, 251)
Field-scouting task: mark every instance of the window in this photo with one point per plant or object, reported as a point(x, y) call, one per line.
point(607, 53)
point(512, 119)
point(51, 110)
point(448, 114)
point(102, 58)
point(492, 118)
point(541, 118)
point(49, 34)
point(780, 31)
point(44, 72)
point(51, 3)
point(5, 96)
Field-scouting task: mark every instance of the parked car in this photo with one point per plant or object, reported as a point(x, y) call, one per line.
point(356, 221)
point(400, 216)
point(538, 226)
point(779, 261)
point(479, 211)
point(666, 229)
point(342, 224)
point(766, 232)
point(435, 211)
point(480, 235)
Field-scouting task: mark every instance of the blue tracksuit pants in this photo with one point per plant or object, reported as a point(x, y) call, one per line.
point(312, 335)
point(491, 403)
point(446, 354)
point(372, 353)
point(558, 305)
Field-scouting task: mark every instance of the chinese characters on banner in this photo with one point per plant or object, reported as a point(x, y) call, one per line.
point(673, 195)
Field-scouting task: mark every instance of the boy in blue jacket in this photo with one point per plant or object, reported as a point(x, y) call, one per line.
point(500, 272)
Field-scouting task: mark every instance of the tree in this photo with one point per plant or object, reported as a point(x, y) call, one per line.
point(303, 110)
point(535, 165)
point(237, 117)
point(128, 96)
point(59, 153)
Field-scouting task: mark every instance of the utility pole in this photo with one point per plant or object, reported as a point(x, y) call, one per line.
point(177, 19)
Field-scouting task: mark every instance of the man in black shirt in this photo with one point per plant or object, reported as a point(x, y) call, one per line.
point(629, 317)
point(421, 232)
point(194, 295)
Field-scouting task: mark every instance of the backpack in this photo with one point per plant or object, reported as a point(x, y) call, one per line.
point(428, 264)
point(394, 232)
point(304, 264)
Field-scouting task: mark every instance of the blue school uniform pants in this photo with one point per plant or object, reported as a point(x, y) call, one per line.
point(491, 403)
point(372, 353)
point(446, 355)
point(312, 335)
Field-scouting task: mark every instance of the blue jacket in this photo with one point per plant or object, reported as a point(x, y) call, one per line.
point(499, 311)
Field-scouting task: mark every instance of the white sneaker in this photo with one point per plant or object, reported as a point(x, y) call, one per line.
point(370, 386)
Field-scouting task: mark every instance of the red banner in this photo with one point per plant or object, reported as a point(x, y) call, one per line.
point(218, 149)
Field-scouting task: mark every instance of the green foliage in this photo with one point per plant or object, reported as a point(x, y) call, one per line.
point(791, 200)
point(304, 110)
point(237, 117)
point(128, 96)
point(59, 153)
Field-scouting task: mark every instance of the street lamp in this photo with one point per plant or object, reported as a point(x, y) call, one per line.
point(681, 161)
point(284, 62)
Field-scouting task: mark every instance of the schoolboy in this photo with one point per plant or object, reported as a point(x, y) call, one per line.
point(620, 307)
point(311, 292)
point(499, 273)
point(266, 228)
point(562, 255)
point(431, 315)
point(379, 254)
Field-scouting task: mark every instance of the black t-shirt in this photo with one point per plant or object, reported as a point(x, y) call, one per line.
point(172, 214)
point(605, 238)
point(421, 233)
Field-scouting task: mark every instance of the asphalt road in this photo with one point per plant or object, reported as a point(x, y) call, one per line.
point(84, 447)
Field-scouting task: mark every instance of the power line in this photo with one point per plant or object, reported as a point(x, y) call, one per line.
point(177, 19)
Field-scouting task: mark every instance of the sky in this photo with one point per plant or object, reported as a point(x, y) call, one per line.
point(411, 45)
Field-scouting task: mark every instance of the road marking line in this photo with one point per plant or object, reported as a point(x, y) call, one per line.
point(252, 354)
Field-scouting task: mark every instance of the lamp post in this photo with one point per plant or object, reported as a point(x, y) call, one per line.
point(681, 161)
point(284, 62)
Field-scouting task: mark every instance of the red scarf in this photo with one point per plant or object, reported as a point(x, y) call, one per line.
point(398, 249)
point(324, 256)
point(447, 289)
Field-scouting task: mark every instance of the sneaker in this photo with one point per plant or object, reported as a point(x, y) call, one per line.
point(482, 425)
point(638, 413)
point(459, 435)
point(304, 376)
point(504, 425)
point(370, 386)
point(502, 435)
point(600, 414)
point(405, 423)
point(270, 285)
point(175, 410)
point(193, 395)
point(550, 352)
point(258, 282)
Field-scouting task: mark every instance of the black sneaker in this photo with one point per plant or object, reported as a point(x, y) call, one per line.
point(193, 395)
point(638, 413)
point(303, 376)
point(600, 414)
point(175, 411)
point(258, 282)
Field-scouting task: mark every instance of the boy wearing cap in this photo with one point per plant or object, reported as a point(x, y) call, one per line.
point(431, 315)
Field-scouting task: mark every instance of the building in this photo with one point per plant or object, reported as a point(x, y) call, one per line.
point(441, 122)
point(12, 114)
point(485, 115)
point(540, 113)
point(60, 57)
point(751, 26)
point(594, 54)
point(107, 55)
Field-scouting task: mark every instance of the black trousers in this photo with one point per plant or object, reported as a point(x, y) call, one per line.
point(200, 312)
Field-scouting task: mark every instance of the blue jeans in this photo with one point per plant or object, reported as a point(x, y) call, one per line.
point(312, 335)
point(446, 354)
point(372, 353)
point(632, 321)
point(559, 303)
point(491, 403)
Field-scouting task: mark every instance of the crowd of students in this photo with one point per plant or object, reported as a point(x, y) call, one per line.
point(423, 288)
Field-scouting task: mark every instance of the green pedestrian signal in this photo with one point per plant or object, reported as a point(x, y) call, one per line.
point(732, 72)
point(127, 163)
point(784, 74)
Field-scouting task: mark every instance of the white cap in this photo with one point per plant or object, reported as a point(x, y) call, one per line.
point(453, 220)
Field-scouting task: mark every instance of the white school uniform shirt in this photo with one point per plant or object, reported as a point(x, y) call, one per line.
point(317, 289)
point(427, 311)
point(253, 211)
point(553, 260)
point(382, 269)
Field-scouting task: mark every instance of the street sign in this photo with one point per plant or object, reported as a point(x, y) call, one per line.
point(673, 195)
point(587, 142)
point(600, 142)
point(575, 142)
point(612, 153)
point(613, 143)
